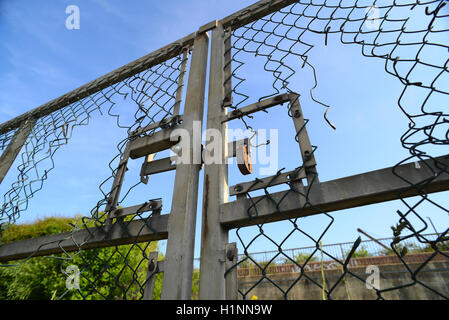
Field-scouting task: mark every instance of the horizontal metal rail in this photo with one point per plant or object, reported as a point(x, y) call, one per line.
point(15, 145)
point(354, 191)
point(259, 106)
point(103, 82)
point(95, 237)
point(365, 244)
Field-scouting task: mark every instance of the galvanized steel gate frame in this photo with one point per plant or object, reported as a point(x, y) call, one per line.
point(217, 279)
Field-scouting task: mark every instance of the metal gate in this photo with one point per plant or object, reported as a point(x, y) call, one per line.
point(274, 32)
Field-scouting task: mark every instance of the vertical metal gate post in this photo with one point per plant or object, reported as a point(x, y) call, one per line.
point(177, 283)
point(213, 236)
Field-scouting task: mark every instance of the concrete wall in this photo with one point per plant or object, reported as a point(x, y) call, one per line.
point(434, 275)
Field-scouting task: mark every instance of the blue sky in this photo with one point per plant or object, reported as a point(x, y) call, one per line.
point(40, 60)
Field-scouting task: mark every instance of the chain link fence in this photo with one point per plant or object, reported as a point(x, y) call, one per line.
point(146, 95)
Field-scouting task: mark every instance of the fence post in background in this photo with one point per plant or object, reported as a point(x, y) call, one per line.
point(213, 236)
point(15, 145)
point(177, 283)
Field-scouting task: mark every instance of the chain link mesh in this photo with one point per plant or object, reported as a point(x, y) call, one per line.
point(400, 40)
point(5, 139)
point(277, 38)
point(142, 99)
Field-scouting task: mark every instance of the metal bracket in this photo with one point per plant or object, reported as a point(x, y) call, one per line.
point(231, 274)
point(280, 178)
point(223, 253)
point(171, 122)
